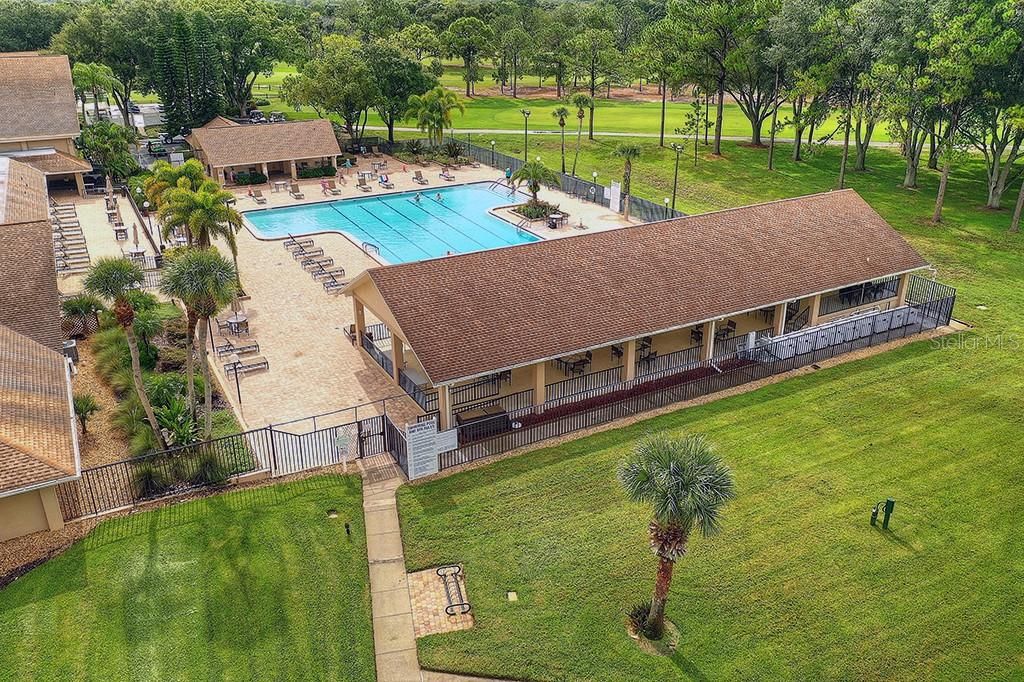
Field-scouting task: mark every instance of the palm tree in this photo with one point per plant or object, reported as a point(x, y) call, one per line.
point(205, 282)
point(561, 113)
point(582, 103)
point(433, 112)
point(628, 152)
point(83, 308)
point(534, 174)
point(203, 215)
point(166, 177)
point(687, 484)
point(95, 79)
point(113, 279)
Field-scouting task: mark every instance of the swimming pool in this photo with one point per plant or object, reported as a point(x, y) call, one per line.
point(402, 228)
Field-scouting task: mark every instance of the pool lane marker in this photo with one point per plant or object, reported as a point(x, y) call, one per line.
point(369, 237)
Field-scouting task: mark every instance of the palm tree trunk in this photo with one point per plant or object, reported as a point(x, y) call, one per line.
point(140, 388)
point(207, 387)
point(562, 124)
point(190, 365)
point(664, 95)
point(579, 138)
point(656, 616)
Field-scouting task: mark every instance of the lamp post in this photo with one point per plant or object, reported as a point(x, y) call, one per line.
point(594, 188)
point(492, 153)
point(675, 177)
point(526, 133)
point(668, 211)
point(149, 220)
point(236, 362)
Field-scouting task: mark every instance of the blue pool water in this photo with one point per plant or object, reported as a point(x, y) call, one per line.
point(403, 229)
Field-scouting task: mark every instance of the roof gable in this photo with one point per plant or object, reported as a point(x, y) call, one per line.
point(37, 98)
point(235, 145)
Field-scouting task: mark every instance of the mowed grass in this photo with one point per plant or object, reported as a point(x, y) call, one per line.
point(798, 585)
point(249, 585)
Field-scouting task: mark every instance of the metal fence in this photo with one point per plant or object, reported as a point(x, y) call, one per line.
point(931, 307)
point(859, 295)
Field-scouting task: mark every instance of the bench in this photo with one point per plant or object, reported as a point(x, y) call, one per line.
point(226, 348)
point(314, 264)
point(328, 273)
point(456, 602)
point(334, 286)
point(293, 244)
point(301, 254)
point(246, 366)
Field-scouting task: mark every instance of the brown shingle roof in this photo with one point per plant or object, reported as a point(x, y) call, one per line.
point(236, 145)
point(480, 312)
point(37, 98)
point(54, 162)
point(37, 430)
point(22, 192)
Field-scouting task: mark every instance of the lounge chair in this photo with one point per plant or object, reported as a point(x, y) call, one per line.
point(332, 187)
point(295, 191)
point(417, 176)
point(225, 347)
point(247, 365)
point(293, 244)
point(257, 196)
point(375, 150)
point(385, 182)
point(314, 264)
point(446, 174)
point(334, 286)
point(305, 254)
point(361, 184)
point(328, 274)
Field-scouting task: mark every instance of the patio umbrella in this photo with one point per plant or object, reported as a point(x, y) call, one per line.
point(135, 234)
point(110, 186)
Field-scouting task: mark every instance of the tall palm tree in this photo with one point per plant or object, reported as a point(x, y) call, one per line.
point(202, 214)
point(561, 113)
point(113, 279)
point(166, 177)
point(687, 485)
point(582, 103)
point(628, 152)
point(204, 281)
point(534, 174)
point(95, 79)
point(433, 112)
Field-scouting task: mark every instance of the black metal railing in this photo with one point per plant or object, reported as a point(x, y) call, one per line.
point(858, 295)
point(513, 403)
point(426, 399)
point(656, 364)
point(568, 388)
point(379, 356)
point(731, 344)
point(487, 387)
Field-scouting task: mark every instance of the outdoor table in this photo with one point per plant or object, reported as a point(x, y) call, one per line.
point(136, 252)
point(238, 324)
point(482, 422)
point(180, 241)
point(121, 233)
point(279, 185)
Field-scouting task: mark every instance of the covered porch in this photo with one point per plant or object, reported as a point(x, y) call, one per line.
point(272, 170)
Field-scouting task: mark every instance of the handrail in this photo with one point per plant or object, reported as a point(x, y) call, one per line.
point(370, 248)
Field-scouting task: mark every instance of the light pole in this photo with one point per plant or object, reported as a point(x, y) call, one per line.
point(526, 133)
point(668, 211)
point(675, 177)
point(236, 363)
point(492, 153)
point(149, 220)
point(594, 188)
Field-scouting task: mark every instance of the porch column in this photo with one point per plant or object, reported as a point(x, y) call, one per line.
point(444, 407)
point(266, 170)
point(629, 358)
point(812, 318)
point(901, 289)
point(220, 176)
point(359, 313)
point(80, 184)
point(51, 508)
point(780, 319)
point(707, 347)
point(540, 392)
point(397, 356)
point(295, 171)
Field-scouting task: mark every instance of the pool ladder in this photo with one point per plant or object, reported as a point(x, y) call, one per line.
point(371, 249)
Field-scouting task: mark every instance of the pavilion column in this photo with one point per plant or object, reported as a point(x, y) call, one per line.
point(359, 314)
point(220, 176)
point(540, 391)
point(815, 313)
point(780, 319)
point(295, 171)
point(51, 508)
point(707, 346)
point(901, 289)
point(266, 170)
point(444, 407)
point(80, 184)
point(629, 358)
point(397, 356)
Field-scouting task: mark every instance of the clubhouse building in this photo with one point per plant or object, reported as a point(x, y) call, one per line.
point(561, 324)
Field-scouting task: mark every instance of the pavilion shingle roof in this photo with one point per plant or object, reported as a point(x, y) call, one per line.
point(37, 444)
point(37, 98)
point(236, 145)
point(53, 162)
point(480, 312)
point(29, 301)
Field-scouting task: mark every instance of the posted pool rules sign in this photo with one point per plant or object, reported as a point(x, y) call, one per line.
point(424, 444)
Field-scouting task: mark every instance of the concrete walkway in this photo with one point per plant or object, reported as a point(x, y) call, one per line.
point(394, 641)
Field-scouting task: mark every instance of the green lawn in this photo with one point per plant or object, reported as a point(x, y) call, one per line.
point(253, 584)
point(798, 586)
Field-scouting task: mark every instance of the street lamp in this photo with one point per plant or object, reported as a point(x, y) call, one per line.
point(526, 132)
point(675, 178)
point(593, 189)
point(236, 363)
point(668, 211)
point(492, 153)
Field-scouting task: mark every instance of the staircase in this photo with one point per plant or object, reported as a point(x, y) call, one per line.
point(796, 319)
point(70, 253)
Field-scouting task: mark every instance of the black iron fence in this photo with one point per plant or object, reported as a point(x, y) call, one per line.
point(569, 388)
point(931, 307)
point(379, 356)
point(656, 364)
point(859, 295)
point(426, 399)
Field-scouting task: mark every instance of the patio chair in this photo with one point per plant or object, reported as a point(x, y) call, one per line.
point(362, 184)
point(446, 174)
point(375, 150)
point(295, 191)
point(334, 286)
point(417, 177)
point(257, 196)
point(385, 182)
point(293, 244)
point(332, 187)
point(326, 274)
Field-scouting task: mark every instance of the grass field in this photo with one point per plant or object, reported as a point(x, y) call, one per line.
point(798, 586)
point(253, 584)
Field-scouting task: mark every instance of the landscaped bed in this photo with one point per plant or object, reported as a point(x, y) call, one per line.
point(254, 584)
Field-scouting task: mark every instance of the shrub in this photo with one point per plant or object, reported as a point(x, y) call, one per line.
point(176, 332)
point(636, 618)
point(536, 211)
point(254, 178)
point(327, 171)
point(209, 470)
point(414, 147)
point(149, 480)
point(171, 359)
point(176, 422)
point(451, 149)
point(84, 310)
point(85, 406)
point(259, 102)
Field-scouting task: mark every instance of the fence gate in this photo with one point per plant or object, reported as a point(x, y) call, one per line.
point(371, 436)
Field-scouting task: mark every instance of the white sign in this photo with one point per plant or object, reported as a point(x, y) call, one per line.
point(615, 196)
point(422, 448)
point(447, 440)
point(177, 158)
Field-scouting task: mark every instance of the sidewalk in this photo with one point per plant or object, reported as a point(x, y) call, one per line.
point(394, 640)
